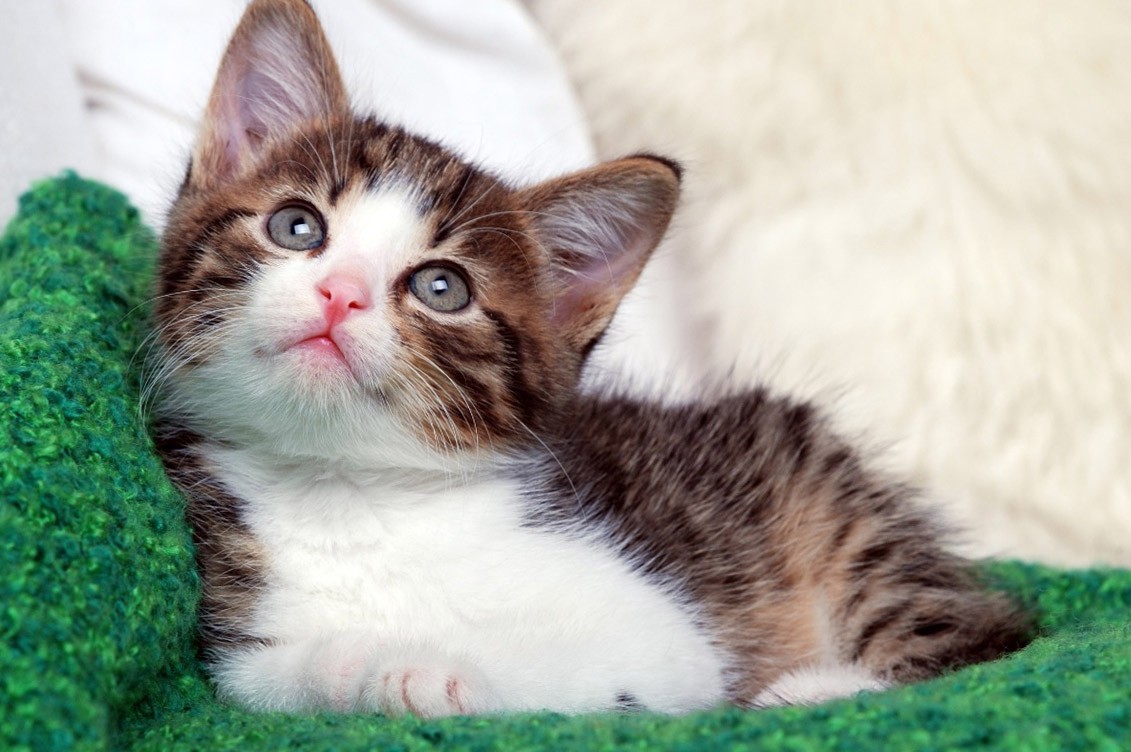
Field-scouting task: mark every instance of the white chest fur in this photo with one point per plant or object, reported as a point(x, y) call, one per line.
point(553, 620)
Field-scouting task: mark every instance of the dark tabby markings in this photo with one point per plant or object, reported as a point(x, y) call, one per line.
point(226, 279)
point(394, 143)
point(231, 567)
point(208, 319)
point(930, 628)
point(463, 347)
point(336, 191)
point(473, 390)
point(844, 528)
point(448, 223)
point(874, 555)
point(761, 512)
point(587, 348)
point(222, 223)
point(514, 361)
point(881, 621)
point(858, 593)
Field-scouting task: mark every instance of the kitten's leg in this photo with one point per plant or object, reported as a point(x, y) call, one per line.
point(351, 671)
point(933, 630)
point(813, 685)
point(324, 672)
point(908, 609)
point(357, 671)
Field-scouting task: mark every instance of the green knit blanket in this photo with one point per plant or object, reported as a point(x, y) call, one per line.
point(98, 590)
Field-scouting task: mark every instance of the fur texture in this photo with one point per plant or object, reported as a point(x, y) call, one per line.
point(370, 368)
point(924, 209)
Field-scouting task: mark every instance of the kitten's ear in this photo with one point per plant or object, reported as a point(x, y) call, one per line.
point(277, 72)
point(601, 225)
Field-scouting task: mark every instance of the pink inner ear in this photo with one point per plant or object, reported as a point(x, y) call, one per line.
point(599, 280)
point(230, 127)
point(277, 73)
point(260, 96)
point(255, 105)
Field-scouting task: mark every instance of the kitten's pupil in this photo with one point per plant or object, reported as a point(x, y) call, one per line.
point(300, 228)
point(439, 285)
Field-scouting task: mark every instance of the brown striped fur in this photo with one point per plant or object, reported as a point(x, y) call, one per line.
point(230, 560)
point(798, 552)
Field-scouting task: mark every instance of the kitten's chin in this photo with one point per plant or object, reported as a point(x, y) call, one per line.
point(320, 368)
point(343, 424)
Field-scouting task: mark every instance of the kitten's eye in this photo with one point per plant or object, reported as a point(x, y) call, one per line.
point(296, 228)
point(440, 288)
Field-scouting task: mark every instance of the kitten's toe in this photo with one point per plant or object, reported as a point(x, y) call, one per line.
point(337, 672)
point(429, 689)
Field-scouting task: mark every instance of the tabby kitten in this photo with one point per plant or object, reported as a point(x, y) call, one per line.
point(401, 502)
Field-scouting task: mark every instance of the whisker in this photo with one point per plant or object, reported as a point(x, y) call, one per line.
point(486, 192)
point(467, 176)
point(573, 488)
point(473, 411)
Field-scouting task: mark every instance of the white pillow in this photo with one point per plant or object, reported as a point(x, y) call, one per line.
point(476, 76)
point(42, 125)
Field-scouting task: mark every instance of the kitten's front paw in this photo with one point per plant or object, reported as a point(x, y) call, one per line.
point(814, 685)
point(429, 688)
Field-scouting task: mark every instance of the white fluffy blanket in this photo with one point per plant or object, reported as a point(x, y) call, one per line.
point(920, 209)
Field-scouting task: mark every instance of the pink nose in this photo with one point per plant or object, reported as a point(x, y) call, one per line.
point(341, 295)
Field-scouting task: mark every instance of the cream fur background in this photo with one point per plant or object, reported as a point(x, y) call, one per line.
point(920, 209)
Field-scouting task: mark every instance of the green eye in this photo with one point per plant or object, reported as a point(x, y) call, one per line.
point(297, 228)
point(441, 288)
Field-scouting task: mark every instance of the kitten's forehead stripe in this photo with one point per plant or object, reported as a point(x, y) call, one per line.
point(224, 221)
point(336, 191)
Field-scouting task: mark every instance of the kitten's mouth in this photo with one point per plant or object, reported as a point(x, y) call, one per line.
point(324, 344)
point(323, 348)
point(326, 354)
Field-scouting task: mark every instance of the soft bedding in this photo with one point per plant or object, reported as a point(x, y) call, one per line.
point(98, 589)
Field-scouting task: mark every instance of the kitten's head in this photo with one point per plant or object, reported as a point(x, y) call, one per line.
point(331, 285)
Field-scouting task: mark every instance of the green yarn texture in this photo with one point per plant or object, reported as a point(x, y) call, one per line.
point(98, 590)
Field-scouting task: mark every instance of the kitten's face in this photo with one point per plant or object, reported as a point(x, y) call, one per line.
point(330, 284)
point(406, 282)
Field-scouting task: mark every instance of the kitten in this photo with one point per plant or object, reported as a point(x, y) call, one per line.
point(401, 502)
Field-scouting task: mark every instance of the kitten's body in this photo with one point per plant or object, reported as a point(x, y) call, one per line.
point(374, 578)
point(401, 503)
